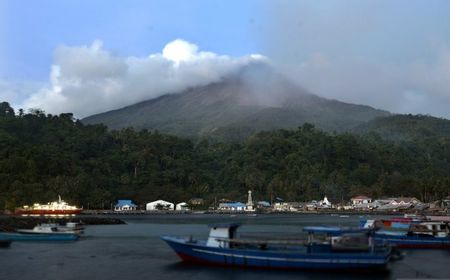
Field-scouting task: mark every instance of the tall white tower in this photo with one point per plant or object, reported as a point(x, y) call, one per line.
point(249, 202)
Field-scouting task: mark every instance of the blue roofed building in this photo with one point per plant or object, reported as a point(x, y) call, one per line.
point(125, 205)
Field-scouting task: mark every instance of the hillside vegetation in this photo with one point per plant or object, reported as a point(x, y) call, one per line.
point(44, 155)
point(407, 127)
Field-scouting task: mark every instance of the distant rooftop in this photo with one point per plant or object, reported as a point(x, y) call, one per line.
point(123, 202)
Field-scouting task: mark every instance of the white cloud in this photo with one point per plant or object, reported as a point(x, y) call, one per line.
point(15, 92)
point(87, 80)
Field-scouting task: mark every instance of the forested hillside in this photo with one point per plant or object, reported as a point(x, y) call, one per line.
point(407, 127)
point(255, 98)
point(43, 155)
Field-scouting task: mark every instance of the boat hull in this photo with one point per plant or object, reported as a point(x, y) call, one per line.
point(197, 253)
point(48, 212)
point(12, 236)
point(412, 242)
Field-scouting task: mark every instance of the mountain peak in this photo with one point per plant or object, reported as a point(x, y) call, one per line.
point(254, 98)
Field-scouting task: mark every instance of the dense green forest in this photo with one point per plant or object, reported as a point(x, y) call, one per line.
point(43, 155)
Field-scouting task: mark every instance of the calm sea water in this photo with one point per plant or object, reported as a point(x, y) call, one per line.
point(134, 251)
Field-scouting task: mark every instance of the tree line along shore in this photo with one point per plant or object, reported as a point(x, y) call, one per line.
point(43, 156)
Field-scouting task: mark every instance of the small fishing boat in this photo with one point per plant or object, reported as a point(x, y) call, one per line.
point(426, 235)
point(394, 223)
point(40, 233)
point(50, 229)
point(17, 236)
point(70, 227)
point(224, 246)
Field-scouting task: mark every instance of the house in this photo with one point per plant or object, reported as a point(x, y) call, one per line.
point(159, 205)
point(445, 203)
point(125, 205)
point(388, 207)
point(398, 203)
point(288, 206)
point(406, 200)
point(263, 204)
point(182, 206)
point(196, 201)
point(361, 199)
point(232, 206)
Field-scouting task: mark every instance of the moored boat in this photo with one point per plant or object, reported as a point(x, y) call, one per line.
point(225, 247)
point(55, 208)
point(17, 236)
point(51, 229)
point(42, 232)
point(425, 234)
point(69, 227)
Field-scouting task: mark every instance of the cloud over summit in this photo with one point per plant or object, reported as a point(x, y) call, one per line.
point(87, 80)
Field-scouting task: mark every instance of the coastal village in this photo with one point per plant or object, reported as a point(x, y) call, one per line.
point(359, 203)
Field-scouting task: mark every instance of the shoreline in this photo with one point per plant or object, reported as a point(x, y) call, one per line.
point(100, 213)
point(249, 213)
point(9, 222)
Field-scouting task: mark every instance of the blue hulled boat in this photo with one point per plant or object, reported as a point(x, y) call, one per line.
point(425, 235)
point(16, 236)
point(224, 247)
point(412, 239)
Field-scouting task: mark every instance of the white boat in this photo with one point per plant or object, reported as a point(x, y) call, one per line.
point(50, 229)
point(55, 208)
point(71, 227)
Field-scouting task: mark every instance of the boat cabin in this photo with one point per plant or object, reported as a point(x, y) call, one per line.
point(437, 229)
point(220, 233)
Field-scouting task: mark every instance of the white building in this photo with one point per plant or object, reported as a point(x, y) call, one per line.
point(159, 205)
point(182, 206)
point(232, 206)
point(288, 206)
point(361, 199)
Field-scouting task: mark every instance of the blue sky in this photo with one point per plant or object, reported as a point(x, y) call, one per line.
point(393, 55)
point(35, 28)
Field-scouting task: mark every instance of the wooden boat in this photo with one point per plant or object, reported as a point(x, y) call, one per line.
point(225, 247)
